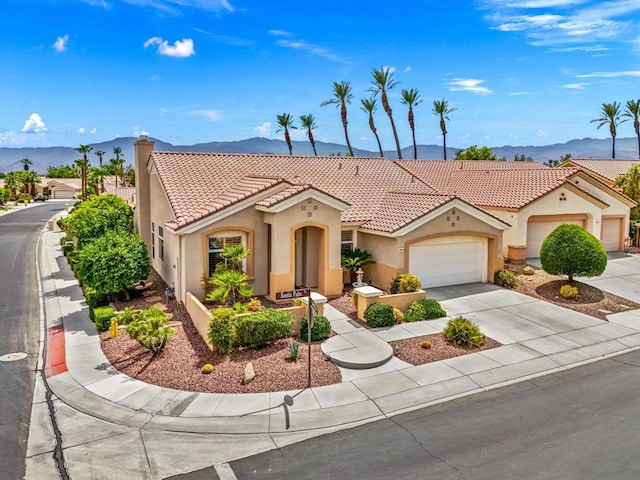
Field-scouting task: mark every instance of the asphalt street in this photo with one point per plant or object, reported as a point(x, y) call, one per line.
point(577, 424)
point(20, 329)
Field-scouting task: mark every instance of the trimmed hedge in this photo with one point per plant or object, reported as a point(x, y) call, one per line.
point(95, 299)
point(320, 330)
point(260, 328)
point(424, 309)
point(102, 317)
point(221, 331)
point(379, 315)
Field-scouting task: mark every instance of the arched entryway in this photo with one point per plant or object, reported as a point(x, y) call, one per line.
point(309, 256)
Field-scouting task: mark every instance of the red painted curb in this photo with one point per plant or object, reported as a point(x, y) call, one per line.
point(56, 361)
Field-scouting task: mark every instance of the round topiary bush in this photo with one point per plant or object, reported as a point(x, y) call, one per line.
point(320, 330)
point(207, 368)
point(568, 291)
point(571, 250)
point(424, 309)
point(379, 315)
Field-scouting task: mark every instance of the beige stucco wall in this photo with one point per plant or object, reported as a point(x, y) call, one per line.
point(392, 254)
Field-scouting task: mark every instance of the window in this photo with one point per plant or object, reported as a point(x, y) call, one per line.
point(160, 243)
point(153, 240)
point(346, 240)
point(217, 243)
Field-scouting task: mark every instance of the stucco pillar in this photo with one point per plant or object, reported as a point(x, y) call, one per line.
point(366, 296)
point(142, 214)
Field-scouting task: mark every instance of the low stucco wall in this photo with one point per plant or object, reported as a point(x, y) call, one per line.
point(200, 316)
point(401, 301)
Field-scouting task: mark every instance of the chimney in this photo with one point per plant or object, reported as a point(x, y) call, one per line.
point(143, 149)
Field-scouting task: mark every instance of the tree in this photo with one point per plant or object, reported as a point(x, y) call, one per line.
point(84, 149)
point(369, 106)
point(31, 178)
point(475, 153)
point(96, 178)
point(99, 154)
point(353, 259)
point(382, 83)
point(63, 171)
point(113, 262)
point(441, 109)
point(26, 163)
point(610, 115)
point(230, 287)
point(341, 97)
point(234, 255)
point(117, 163)
point(633, 112)
point(285, 121)
point(570, 250)
point(309, 123)
point(522, 158)
point(14, 181)
point(629, 183)
point(411, 98)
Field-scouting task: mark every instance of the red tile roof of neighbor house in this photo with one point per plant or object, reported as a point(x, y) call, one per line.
point(199, 184)
point(607, 168)
point(490, 184)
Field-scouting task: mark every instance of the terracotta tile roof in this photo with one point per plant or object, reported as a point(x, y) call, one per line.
point(607, 168)
point(398, 209)
point(499, 184)
point(198, 184)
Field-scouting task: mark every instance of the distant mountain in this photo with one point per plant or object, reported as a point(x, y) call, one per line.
point(42, 157)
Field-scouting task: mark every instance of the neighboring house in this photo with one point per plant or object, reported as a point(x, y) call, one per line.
point(605, 170)
point(296, 215)
point(532, 198)
point(64, 188)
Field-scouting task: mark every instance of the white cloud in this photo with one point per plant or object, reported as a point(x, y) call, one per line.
point(155, 78)
point(305, 46)
point(12, 138)
point(576, 86)
point(263, 130)
point(625, 73)
point(540, 134)
point(81, 130)
point(175, 7)
point(465, 138)
point(213, 115)
point(407, 69)
point(34, 124)
point(180, 49)
point(518, 94)
point(93, 130)
point(472, 85)
point(137, 131)
point(280, 33)
point(486, 138)
point(60, 45)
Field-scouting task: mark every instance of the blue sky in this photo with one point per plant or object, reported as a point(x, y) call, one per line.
point(519, 72)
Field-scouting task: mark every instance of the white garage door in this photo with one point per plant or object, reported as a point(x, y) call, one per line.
point(611, 232)
point(66, 194)
point(538, 231)
point(449, 261)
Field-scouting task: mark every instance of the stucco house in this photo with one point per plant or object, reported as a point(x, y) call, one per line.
point(296, 215)
point(604, 169)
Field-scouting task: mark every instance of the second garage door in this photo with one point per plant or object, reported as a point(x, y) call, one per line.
point(539, 229)
point(449, 261)
point(611, 237)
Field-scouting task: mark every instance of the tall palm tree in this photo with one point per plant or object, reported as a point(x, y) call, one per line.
point(441, 109)
point(97, 176)
point(309, 123)
point(31, 178)
point(285, 121)
point(342, 96)
point(383, 82)
point(84, 149)
point(369, 105)
point(610, 114)
point(411, 98)
point(633, 112)
point(26, 163)
point(117, 163)
point(99, 154)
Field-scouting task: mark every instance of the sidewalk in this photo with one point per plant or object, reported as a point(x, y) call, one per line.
point(538, 338)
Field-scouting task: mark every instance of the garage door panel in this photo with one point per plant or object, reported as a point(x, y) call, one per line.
point(538, 231)
point(449, 263)
point(611, 234)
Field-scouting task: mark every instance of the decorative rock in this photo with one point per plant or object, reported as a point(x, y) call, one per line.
point(249, 373)
point(149, 293)
point(154, 299)
point(161, 306)
point(528, 271)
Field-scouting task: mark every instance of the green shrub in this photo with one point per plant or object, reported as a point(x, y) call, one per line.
point(127, 316)
point(293, 350)
point(504, 278)
point(463, 332)
point(568, 291)
point(221, 331)
point(102, 317)
point(25, 197)
point(95, 299)
point(151, 329)
point(258, 329)
point(320, 330)
point(67, 248)
point(207, 368)
point(424, 309)
point(379, 315)
point(405, 283)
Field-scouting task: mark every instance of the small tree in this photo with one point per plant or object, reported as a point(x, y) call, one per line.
point(113, 262)
point(570, 250)
point(475, 153)
point(230, 287)
point(353, 259)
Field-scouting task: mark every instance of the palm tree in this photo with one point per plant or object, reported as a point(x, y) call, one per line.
point(369, 105)
point(610, 114)
point(84, 149)
point(14, 181)
point(31, 178)
point(633, 112)
point(342, 96)
point(441, 108)
point(411, 98)
point(309, 123)
point(26, 163)
point(382, 82)
point(117, 163)
point(285, 121)
point(99, 154)
point(96, 177)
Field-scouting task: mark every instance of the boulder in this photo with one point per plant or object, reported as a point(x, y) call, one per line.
point(249, 373)
point(528, 271)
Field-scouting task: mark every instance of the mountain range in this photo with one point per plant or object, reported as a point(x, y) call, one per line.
point(42, 157)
